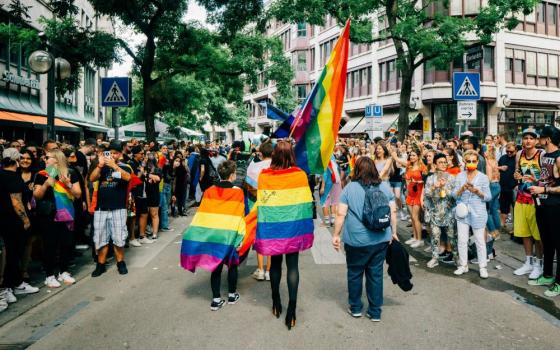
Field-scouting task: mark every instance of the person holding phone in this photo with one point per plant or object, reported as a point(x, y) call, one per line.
point(471, 191)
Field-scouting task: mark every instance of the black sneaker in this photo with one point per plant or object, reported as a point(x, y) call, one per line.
point(233, 299)
point(443, 254)
point(448, 259)
point(99, 270)
point(121, 266)
point(217, 305)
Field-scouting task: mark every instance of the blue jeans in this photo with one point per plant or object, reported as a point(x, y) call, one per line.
point(368, 260)
point(164, 199)
point(494, 223)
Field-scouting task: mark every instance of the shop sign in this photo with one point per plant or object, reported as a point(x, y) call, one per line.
point(474, 54)
point(11, 78)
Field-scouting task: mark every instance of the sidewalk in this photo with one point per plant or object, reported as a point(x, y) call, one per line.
point(81, 269)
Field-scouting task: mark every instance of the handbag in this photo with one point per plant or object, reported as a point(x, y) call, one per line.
point(461, 211)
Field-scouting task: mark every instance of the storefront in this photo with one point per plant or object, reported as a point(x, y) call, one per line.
point(444, 120)
point(513, 120)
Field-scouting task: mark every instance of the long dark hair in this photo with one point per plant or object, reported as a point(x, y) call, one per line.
point(454, 158)
point(283, 156)
point(365, 172)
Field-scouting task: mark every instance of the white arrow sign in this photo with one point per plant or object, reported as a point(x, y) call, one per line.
point(466, 110)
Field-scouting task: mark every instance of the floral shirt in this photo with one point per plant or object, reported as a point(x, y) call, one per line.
point(439, 202)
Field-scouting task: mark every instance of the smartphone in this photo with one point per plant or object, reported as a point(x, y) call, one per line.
point(107, 154)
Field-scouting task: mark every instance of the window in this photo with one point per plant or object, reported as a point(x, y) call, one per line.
point(301, 92)
point(542, 68)
point(285, 38)
point(382, 77)
point(300, 61)
point(301, 29)
point(388, 76)
point(531, 62)
point(509, 65)
point(312, 59)
point(540, 13)
point(472, 7)
point(553, 70)
point(326, 48)
point(456, 7)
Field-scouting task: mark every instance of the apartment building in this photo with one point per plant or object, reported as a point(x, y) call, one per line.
point(519, 70)
point(23, 93)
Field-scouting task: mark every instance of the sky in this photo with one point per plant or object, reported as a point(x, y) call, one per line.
point(195, 12)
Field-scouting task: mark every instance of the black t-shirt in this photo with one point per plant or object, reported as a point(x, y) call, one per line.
point(152, 188)
point(112, 191)
point(548, 162)
point(10, 183)
point(507, 181)
point(81, 164)
point(137, 191)
point(49, 194)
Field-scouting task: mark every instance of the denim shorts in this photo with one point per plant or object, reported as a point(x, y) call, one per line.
point(395, 184)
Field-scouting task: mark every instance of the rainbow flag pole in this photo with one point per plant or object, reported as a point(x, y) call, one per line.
point(316, 125)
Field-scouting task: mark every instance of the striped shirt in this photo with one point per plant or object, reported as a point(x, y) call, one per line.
point(478, 215)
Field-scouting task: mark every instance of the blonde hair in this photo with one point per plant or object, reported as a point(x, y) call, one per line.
point(470, 153)
point(61, 162)
point(490, 152)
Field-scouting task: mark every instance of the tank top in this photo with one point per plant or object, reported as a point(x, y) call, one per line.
point(528, 166)
point(547, 178)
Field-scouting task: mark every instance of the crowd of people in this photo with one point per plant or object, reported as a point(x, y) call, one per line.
point(458, 196)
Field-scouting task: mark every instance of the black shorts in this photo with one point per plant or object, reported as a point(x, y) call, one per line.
point(141, 204)
point(506, 201)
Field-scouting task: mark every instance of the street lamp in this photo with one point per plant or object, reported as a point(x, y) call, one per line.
point(42, 62)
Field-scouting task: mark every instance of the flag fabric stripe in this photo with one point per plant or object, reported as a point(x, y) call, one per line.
point(316, 126)
point(285, 214)
point(63, 201)
point(202, 234)
point(215, 221)
point(278, 213)
point(204, 261)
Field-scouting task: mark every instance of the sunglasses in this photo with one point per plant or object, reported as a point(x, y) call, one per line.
point(471, 161)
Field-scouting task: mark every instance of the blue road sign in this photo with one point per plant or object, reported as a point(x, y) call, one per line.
point(373, 111)
point(466, 86)
point(116, 92)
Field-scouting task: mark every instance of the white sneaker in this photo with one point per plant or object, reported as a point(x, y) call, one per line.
point(135, 242)
point(259, 275)
point(25, 288)
point(433, 263)
point(526, 268)
point(410, 241)
point(3, 304)
point(66, 278)
point(145, 240)
point(537, 271)
point(7, 295)
point(416, 244)
point(267, 275)
point(51, 282)
point(483, 273)
point(461, 270)
point(428, 249)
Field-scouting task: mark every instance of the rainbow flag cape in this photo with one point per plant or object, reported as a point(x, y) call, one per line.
point(315, 127)
point(64, 202)
point(284, 212)
point(216, 230)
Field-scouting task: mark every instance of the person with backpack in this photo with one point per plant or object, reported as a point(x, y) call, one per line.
point(368, 214)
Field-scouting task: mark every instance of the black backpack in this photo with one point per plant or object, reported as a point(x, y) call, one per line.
point(376, 215)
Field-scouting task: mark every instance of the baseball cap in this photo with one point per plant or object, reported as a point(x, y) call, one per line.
point(11, 153)
point(530, 131)
point(115, 146)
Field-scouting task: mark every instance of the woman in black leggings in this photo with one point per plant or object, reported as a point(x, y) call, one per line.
point(285, 227)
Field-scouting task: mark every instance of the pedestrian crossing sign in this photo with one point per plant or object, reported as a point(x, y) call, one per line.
point(466, 86)
point(116, 92)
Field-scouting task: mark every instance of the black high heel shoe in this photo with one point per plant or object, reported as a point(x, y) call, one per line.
point(276, 307)
point(291, 315)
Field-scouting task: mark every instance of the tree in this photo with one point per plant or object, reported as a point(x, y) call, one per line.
point(188, 70)
point(419, 35)
point(81, 47)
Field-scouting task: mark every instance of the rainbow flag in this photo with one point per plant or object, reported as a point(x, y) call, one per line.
point(64, 202)
point(351, 165)
point(216, 230)
point(284, 212)
point(315, 128)
point(330, 177)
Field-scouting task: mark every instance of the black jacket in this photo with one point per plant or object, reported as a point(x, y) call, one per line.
point(399, 268)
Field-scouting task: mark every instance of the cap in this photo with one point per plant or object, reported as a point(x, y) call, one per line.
point(114, 146)
point(11, 153)
point(136, 149)
point(551, 132)
point(530, 131)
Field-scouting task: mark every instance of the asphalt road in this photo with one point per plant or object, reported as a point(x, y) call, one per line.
point(158, 305)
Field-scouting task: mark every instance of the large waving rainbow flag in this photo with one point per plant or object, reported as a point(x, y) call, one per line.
point(284, 212)
point(216, 231)
point(64, 202)
point(315, 128)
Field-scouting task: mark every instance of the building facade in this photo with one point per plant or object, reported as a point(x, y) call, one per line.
point(23, 93)
point(519, 70)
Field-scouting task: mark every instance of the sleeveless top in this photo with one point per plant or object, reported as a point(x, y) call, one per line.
point(528, 166)
point(547, 178)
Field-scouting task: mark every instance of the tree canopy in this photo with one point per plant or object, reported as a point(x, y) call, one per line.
point(420, 31)
point(187, 72)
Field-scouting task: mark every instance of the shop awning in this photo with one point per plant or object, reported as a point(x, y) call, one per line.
point(90, 126)
point(349, 126)
point(34, 121)
point(386, 122)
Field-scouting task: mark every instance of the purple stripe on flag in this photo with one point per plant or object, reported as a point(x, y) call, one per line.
point(203, 261)
point(284, 246)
